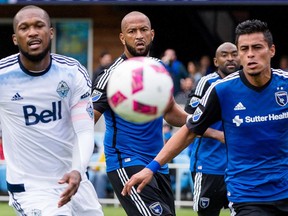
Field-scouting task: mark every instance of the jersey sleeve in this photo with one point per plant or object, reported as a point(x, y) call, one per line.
point(99, 94)
point(206, 113)
point(195, 95)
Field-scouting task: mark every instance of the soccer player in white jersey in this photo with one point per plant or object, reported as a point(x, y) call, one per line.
point(47, 122)
point(253, 107)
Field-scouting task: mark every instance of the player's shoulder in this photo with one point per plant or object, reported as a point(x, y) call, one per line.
point(102, 79)
point(210, 78)
point(65, 60)
point(9, 61)
point(233, 76)
point(280, 73)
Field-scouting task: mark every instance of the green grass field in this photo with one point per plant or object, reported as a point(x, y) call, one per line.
point(6, 210)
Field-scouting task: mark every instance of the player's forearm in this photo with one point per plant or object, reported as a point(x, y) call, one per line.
point(82, 150)
point(82, 120)
point(175, 115)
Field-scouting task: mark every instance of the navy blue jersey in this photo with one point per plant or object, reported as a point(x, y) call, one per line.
point(207, 155)
point(255, 122)
point(125, 143)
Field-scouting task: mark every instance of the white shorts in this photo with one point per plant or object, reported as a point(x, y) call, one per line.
point(44, 202)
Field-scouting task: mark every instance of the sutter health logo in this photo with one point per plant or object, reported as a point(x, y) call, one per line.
point(254, 119)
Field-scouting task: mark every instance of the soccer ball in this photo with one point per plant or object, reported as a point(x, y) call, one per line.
point(139, 89)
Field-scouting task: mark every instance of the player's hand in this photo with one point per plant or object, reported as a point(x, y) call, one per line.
point(73, 180)
point(141, 178)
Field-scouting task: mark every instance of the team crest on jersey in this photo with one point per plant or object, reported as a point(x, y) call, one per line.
point(156, 208)
point(62, 89)
point(194, 102)
point(34, 212)
point(281, 98)
point(89, 110)
point(204, 202)
point(197, 114)
point(96, 95)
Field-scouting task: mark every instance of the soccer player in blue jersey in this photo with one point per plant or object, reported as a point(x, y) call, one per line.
point(47, 122)
point(130, 147)
point(253, 107)
point(208, 156)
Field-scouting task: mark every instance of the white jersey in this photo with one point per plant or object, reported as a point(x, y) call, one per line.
point(35, 112)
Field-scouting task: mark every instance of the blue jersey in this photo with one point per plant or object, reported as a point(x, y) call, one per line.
point(125, 143)
point(255, 122)
point(207, 155)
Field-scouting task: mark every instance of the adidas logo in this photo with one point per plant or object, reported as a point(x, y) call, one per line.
point(239, 106)
point(17, 96)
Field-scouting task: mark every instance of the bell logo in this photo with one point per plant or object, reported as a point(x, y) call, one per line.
point(33, 118)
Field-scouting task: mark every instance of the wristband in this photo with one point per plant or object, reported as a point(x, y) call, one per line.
point(154, 166)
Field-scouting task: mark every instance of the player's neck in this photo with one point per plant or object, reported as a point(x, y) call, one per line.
point(36, 66)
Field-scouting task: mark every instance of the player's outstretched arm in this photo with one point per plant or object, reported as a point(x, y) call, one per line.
point(180, 140)
point(82, 120)
point(175, 114)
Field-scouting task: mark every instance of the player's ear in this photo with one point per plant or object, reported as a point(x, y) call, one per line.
point(215, 62)
point(51, 33)
point(272, 51)
point(122, 39)
point(14, 38)
point(153, 34)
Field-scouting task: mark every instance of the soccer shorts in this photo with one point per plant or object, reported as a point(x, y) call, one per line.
point(44, 202)
point(209, 194)
point(279, 208)
point(155, 199)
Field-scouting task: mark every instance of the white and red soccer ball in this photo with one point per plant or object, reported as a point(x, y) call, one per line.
point(140, 89)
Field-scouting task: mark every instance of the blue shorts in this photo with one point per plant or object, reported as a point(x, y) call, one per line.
point(274, 208)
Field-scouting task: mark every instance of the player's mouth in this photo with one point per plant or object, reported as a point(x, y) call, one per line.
point(140, 45)
point(34, 43)
point(251, 65)
point(231, 66)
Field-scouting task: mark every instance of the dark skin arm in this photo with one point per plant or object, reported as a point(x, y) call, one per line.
point(73, 180)
point(175, 114)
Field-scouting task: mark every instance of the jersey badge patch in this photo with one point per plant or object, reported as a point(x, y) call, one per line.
point(156, 208)
point(96, 95)
point(204, 202)
point(62, 89)
point(194, 102)
point(197, 114)
point(89, 110)
point(281, 98)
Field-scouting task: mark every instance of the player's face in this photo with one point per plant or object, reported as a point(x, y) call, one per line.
point(137, 36)
point(227, 59)
point(255, 54)
point(33, 34)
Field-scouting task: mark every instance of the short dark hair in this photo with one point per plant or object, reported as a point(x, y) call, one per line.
point(103, 53)
point(254, 26)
